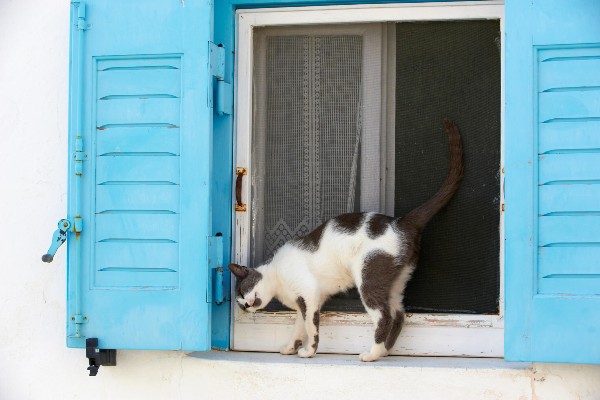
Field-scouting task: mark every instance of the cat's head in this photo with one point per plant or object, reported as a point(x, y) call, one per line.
point(251, 290)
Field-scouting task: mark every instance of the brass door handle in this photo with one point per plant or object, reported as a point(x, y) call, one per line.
point(240, 172)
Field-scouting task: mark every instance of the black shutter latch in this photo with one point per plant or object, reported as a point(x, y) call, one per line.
point(98, 357)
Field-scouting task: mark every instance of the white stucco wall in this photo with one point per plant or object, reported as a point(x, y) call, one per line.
point(34, 361)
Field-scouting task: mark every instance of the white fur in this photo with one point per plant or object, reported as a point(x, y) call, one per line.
point(397, 292)
point(335, 267)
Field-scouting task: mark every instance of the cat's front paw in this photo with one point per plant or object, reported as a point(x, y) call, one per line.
point(288, 350)
point(305, 353)
point(368, 357)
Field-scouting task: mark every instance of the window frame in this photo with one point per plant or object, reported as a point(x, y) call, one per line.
point(424, 334)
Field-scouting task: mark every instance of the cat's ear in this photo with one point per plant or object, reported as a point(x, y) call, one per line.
point(239, 271)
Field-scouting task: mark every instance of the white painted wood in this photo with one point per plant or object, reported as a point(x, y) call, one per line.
point(424, 334)
point(388, 121)
point(242, 138)
point(370, 13)
point(353, 334)
point(502, 102)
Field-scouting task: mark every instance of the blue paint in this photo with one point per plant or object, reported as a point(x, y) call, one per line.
point(138, 102)
point(215, 291)
point(573, 198)
point(74, 330)
point(552, 271)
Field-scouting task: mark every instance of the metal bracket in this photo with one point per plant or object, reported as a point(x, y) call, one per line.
point(224, 98)
point(217, 60)
point(223, 91)
point(59, 237)
point(79, 319)
point(215, 263)
point(81, 23)
point(98, 357)
point(79, 156)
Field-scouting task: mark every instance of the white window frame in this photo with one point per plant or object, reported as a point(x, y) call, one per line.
point(351, 333)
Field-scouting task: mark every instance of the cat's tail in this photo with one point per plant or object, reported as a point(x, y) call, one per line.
point(419, 217)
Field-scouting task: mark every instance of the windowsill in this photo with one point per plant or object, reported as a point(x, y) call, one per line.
point(430, 335)
point(333, 376)
point(348, 360)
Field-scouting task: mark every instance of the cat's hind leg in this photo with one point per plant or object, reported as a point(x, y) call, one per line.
point(383, 324)
point(375, 285)
point(387, 330)
point(397, 305)
point(394, 332)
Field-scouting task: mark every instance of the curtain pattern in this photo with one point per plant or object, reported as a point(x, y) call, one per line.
point(309, 142)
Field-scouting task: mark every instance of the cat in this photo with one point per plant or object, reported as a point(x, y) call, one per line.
point(370, 251)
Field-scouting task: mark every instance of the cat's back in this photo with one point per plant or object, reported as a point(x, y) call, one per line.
point(352, 233)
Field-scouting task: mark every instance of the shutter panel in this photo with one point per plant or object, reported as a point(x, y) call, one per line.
point(137, 273)
point(552, 181)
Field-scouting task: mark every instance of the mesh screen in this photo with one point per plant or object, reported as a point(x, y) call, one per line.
point(451, 69)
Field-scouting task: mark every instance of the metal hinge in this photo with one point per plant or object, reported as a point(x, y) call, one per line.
point(223, 91)
point(214, 291)
point(79, 155)
point(81, 22)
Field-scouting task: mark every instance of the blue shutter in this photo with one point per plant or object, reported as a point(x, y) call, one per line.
point(140, 122)
point(553, 181)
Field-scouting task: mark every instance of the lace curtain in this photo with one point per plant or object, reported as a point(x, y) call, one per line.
point(307, 133)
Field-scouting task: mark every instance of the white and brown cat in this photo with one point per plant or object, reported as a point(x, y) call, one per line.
point(373, 252)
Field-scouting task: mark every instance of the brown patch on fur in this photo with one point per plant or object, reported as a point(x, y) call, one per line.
point(316, 320)
point(239, 271)
point(297, 345)
point(349, 223)
point(302, 305)
point(246, 281)
point(383, 326)
point(311, 241)
point(377, 225)
point(316, 342)
point(394, 330)
point(379, 273)
point(412, 237)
